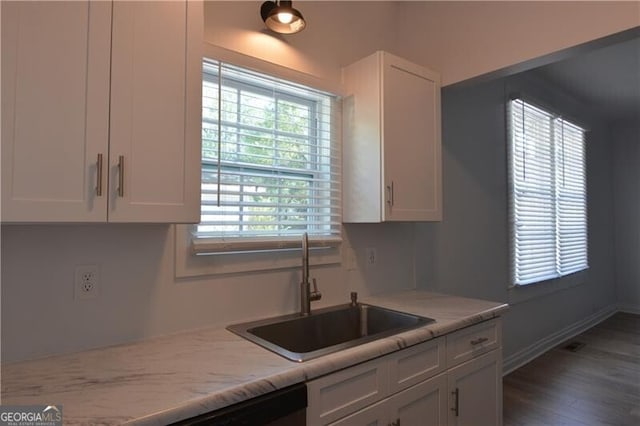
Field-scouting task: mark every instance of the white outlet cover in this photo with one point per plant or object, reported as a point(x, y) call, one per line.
point(86, 282)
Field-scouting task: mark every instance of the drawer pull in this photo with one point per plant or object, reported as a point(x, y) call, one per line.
point(479, 340)
point(456, 402)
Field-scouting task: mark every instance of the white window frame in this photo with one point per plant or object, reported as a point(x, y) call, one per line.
point(551, 261)
point(282, 255)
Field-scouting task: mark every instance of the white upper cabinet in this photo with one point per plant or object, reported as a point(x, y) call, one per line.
point(392, 141)
point(101, 111)
point(156, 59)
point(55, 109)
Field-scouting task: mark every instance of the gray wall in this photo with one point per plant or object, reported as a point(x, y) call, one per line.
point(626, 175)
point(468, 252)
point(139, 295)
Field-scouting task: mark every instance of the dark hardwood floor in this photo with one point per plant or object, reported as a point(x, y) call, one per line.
point(597, 384)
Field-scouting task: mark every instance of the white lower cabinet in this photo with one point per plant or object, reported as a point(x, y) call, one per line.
point(340, 394)
point(374, 415)
point(452, 380)
point(424, 404)
point(476, 390)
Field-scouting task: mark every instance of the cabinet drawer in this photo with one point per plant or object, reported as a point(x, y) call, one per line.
point(337, 395)
point(415, 364)
point(470, 342)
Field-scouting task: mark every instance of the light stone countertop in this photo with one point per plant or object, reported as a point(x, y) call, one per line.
point(171, 378)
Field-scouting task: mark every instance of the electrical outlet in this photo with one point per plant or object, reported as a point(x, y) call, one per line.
point(372, 256)
point(87, 282)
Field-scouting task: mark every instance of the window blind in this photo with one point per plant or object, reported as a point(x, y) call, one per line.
point(571, 197)
point(270, 163)
point(548, 214)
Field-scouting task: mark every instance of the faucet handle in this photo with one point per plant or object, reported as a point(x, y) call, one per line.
point(315, 294)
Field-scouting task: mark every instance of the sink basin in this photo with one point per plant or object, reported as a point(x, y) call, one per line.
point(300, 338)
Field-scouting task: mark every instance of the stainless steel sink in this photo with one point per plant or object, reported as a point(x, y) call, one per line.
point(300, 338)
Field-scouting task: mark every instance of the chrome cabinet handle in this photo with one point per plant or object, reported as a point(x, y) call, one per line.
point(121, 176)
point(456, 402)
point(390, 199)
point(479, 340)
point(99, 176)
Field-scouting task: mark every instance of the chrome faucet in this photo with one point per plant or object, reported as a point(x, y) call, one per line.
point(306, 295)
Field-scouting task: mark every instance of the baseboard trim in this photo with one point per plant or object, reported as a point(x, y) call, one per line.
point(630, 309)
point(533, 351)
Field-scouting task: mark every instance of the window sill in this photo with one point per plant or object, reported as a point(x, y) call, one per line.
point(188, 264)
point(522, 293)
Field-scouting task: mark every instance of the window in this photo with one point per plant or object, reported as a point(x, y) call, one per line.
point(270, 163)
point(548, 212)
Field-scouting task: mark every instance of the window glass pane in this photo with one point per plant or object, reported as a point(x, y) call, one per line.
point(548, 194)
point(273, 169)
point(571, 196)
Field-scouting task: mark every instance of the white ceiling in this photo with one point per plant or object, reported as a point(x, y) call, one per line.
point(607, 78)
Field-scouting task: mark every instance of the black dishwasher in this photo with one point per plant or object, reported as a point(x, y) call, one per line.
point(284, 407)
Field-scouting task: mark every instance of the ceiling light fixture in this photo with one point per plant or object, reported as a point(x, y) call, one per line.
point(281, 17)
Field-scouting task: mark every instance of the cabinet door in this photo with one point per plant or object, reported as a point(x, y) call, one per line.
point(416, 364)
point(374, 415)
point(339, 394)
point(156, 74)
point(55, 110)
point(424, 404)
point(362, 135)
point(411, 139)
point(475, 390)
